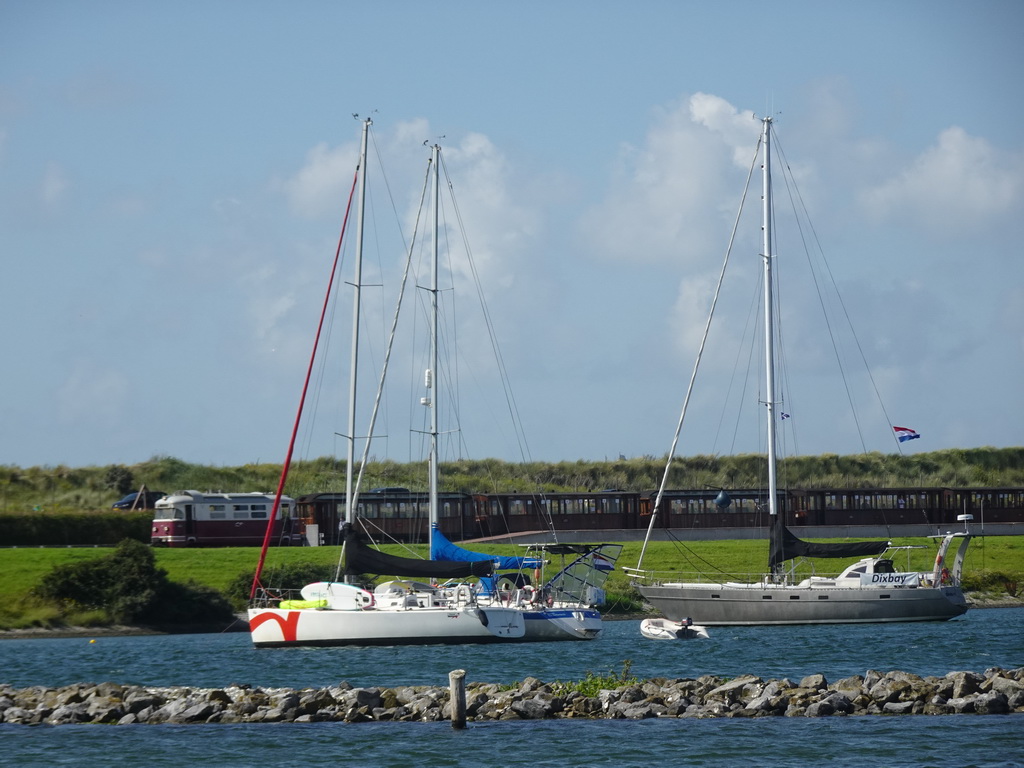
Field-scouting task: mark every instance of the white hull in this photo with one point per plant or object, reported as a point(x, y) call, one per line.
point(663, 629)
point(275, 627)
point(741, 604)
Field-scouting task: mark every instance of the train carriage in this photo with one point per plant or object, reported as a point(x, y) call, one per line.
point(194, 519)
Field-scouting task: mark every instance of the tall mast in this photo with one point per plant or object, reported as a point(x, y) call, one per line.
point(354, 365)
point(769, 331)
point(431, 377)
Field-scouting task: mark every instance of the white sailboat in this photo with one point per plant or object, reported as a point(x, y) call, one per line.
point(436, 600)
point(870, 590)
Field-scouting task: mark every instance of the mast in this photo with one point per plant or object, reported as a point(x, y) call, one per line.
point(435, 157)
point(769, 330)
point(354, 365)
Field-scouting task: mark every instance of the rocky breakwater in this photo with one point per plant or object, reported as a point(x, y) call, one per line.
point(994, 692)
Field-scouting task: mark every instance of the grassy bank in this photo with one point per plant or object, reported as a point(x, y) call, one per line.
point(993, 567)
point(43, 490)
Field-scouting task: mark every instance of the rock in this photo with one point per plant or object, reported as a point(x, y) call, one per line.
point(817, 682)
point(997, 691)
point(993, 703)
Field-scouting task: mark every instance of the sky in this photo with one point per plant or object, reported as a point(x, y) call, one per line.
point(173, 177)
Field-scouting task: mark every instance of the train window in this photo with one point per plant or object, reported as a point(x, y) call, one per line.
point(216, 507)
point(887, 501)
point(240, 507)
point(218, 515)
point(240, 515)
point(258, 506)
point(258, 515)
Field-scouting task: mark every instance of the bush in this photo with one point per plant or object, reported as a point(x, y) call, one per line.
point(62, 527)
point(129, 588)
point(993, 581)
point(278, 578)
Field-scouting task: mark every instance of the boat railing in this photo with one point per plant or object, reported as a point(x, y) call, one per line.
point(270, 598)
point(694, 577)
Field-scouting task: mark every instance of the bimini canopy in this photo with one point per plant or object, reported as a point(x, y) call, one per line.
point(359, 558)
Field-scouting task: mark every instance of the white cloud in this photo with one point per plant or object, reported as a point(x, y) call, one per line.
point(318, 186)
point(733, 126)
point(961, 182)
point(673, 197)
point(502, 223)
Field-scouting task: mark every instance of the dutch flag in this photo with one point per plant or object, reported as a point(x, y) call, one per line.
point(905, 433)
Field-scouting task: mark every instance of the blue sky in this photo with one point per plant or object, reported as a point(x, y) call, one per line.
point(172, 177)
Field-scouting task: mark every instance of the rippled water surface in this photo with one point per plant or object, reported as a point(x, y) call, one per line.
point(977, 641)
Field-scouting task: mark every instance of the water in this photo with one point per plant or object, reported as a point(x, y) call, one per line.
point(981, 639)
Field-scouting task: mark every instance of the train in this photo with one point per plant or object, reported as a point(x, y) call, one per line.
point(190, 518)
point(194, 519)
point(399, 514)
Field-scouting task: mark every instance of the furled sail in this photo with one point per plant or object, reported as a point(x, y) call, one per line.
point(785, 545)
point(442, 549)
point(359, 558)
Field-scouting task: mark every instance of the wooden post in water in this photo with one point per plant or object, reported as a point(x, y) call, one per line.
point(457, 686)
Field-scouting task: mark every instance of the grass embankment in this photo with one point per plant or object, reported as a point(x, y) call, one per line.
point(993, 567)
point(45, 490)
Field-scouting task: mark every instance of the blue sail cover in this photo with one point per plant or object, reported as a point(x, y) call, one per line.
point(442, 549)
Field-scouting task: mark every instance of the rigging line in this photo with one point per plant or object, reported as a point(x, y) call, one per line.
point(451, 357)
point(790, 182)
point(700, 354)
point(524, 449)
point(849, 320)
point(376, 231)
point(302, 400)
point(321, 374)
point(780, 345)
point(750, 330)
point(390, 345)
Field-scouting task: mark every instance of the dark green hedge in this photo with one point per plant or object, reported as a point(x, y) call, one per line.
point(130, 589)
point(74, 528)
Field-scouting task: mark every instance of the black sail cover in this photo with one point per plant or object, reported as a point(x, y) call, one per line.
point(785, 545)
point(359, 558)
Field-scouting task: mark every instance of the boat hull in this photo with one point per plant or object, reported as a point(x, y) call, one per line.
point(563, 624)
point(276, 628)
point(663, 629)
point(741, 605)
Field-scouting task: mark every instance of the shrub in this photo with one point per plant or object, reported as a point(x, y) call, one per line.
point(592, 684)
point(129, 588)
point(279, 578)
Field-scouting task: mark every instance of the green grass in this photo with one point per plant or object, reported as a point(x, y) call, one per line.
point(48, 489)
point(992, 562)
